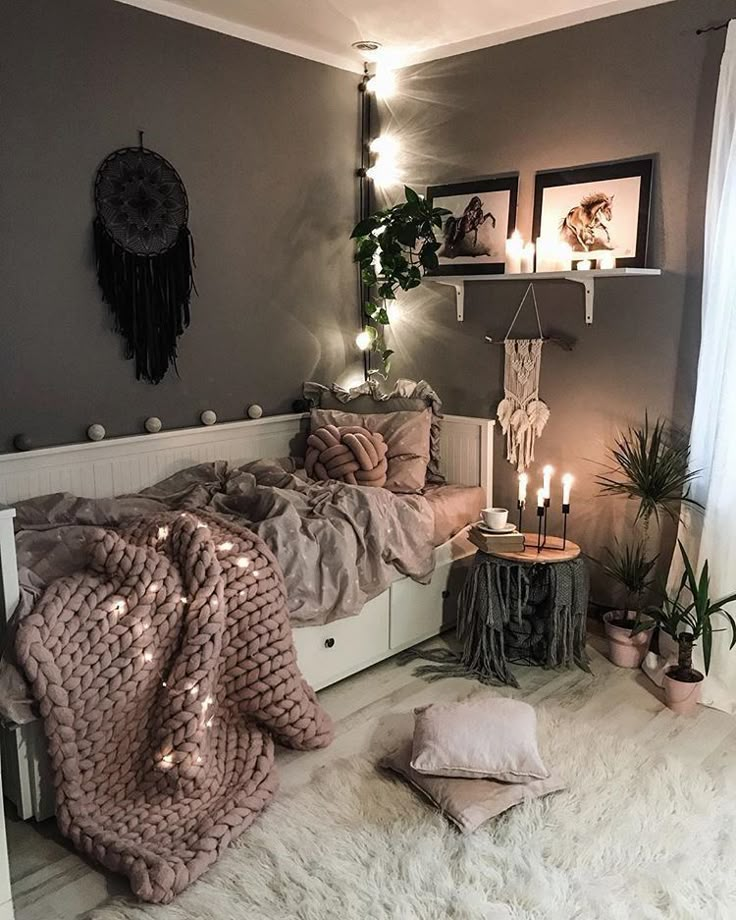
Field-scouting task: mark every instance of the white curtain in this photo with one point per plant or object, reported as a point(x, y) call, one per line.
point(711, 534)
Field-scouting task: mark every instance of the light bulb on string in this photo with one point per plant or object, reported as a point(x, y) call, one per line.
point(386, 145)
point(383, 82)
point(365, 339)
point(383, 172)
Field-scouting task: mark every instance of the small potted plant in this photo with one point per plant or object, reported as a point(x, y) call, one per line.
point(628, 631)
point(649, 465)
point(688, 617)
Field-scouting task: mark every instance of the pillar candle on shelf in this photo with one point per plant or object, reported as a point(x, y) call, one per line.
point(545, 255)
point(527, 259)
point(523, 480)
point(607, 261)
point(584, 265)
point(540, 498)
point(564, 257)
point(514, 249)
point(547, 475)
point(566, 487)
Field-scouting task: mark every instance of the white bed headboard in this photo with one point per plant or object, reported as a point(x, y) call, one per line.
point(102, 469)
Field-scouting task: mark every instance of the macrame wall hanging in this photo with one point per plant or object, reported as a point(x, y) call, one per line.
point(145, 255)
point(521, 413)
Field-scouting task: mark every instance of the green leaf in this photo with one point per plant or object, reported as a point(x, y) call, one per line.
point(707, 643)
point(411, 196)
point(365, 227)
point(381, 316)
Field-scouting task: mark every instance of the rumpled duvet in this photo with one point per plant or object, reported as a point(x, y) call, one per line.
point(338, 545)
point(163, 672)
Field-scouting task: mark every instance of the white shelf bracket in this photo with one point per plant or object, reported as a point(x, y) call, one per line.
point(459, 287)
point(589, 287)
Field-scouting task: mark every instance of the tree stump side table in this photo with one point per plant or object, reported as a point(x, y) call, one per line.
point(528, 608)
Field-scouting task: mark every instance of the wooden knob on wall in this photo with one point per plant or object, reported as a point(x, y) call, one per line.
point(329, 643)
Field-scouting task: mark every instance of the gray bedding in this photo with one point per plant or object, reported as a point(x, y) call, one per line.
point(338, 545)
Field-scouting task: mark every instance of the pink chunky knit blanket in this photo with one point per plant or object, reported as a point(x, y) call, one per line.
point(162, 673)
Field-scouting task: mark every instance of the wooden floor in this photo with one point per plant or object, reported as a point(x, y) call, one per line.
point(50, 882)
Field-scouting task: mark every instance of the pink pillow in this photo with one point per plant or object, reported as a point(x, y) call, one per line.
point(407, 441)
point(485, 737)
point(468, 803)
point(349, 454)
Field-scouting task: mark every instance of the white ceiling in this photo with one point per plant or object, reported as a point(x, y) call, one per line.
point(420, 30)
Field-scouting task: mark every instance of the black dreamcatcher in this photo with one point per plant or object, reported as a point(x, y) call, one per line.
point(145, 255)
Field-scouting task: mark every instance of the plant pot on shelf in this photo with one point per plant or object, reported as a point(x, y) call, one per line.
point(625, 650)
point(682, 689)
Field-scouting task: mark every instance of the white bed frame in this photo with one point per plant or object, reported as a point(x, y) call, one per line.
point(403, 615)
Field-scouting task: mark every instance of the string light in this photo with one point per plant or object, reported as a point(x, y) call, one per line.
point(387, 145)
point(383, 82)
point(365, 339)
point(383, 171)
point(242, 562)
point(163, 533)
point(226, 546)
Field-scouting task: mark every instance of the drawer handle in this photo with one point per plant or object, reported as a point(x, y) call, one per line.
point(329, 643)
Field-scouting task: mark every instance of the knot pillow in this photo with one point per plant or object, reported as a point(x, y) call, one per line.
point(349, 454)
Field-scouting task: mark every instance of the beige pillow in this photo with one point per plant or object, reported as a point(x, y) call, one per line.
point(468, 803)
point(407, 440)
point(485, 737)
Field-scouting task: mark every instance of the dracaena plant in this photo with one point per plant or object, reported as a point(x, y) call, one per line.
point(688, 616)
point(650, 464)
point(393, 248)
point(633, 569)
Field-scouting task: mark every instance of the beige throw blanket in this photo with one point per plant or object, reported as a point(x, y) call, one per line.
point(161, 673)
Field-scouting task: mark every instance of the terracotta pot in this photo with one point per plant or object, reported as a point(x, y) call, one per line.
point(682, 696)
point(625, 650)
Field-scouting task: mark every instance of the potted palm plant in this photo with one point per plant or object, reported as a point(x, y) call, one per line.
point(687, 617)
point(628, 630)
point(649, 465)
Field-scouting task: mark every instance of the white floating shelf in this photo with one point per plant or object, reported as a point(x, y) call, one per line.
point(586, 278)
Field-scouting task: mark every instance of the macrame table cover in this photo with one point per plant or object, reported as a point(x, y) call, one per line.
point(516, 612)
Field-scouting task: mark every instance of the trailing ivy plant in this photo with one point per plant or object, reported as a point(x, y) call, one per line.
point(394, 248)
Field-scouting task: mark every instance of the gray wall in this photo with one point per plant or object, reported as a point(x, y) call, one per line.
point(266, 144)
point(631, 85)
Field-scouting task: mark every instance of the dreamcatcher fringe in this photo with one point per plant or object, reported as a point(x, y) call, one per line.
point(149, 297)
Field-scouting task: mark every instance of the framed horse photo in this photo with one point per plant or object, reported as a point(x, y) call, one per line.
point(482, 217)
point(597, 209)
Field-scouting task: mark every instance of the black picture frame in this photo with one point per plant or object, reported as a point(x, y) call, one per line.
point(642, 168)
point(506, 183)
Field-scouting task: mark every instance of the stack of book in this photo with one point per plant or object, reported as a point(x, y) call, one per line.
point(492, 543)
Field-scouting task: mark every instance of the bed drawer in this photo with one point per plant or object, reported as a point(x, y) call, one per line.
point(420, 611)
point(328, 653)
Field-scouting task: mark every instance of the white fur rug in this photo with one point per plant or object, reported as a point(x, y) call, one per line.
point(632, 839)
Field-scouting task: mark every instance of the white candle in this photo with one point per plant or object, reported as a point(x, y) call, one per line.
point(566, 486)
point(514, 249)
point(540, 498)
point(527, 258)
point(584, 265)
point(564, 257)
point(547, 474)
point(545, 255)
point(523, 480)
point(607, 262)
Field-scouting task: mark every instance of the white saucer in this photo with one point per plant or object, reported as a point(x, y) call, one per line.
point(507, 528)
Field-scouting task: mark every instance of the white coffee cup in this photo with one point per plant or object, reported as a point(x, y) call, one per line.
point(495, 518)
